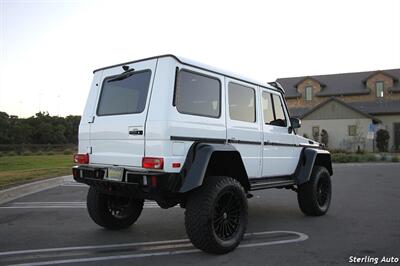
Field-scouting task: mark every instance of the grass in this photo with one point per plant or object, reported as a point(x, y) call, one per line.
point(364, 157)
point(21, 169)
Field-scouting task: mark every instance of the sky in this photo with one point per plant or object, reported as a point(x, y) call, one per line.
point(49, 48)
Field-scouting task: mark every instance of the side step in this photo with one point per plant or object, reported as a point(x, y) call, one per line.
point(272, 183)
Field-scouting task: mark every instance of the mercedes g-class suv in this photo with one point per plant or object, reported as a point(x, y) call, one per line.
point(178, 132)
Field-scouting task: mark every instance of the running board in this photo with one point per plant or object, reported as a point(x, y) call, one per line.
point(271, 184)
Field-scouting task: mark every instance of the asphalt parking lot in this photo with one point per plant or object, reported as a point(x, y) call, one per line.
point(53, 227)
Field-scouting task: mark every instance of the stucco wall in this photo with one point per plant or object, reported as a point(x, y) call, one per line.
point(338, 133)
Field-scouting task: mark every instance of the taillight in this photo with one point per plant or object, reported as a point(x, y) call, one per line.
point(152, 163)
point(81, 158)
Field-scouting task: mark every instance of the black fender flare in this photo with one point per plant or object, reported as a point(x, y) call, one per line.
point(212, 159)
point(308, 158)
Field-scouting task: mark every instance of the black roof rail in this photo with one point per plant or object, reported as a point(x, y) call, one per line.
point(277, 85)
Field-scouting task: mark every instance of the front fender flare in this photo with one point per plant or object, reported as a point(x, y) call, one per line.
point(308, 158)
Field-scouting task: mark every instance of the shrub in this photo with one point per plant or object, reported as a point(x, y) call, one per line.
point(67, 152)
point(370, 157)
point(50, 153)
point(382, 140)
point(39, 153)
point(11, 153)
point(395, 159)
point(305, 136)
point(26, 153)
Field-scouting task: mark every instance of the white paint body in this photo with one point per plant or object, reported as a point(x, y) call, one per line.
point(108, 142)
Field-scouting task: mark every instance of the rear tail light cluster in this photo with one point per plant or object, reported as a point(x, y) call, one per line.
point(152, 163)
point(80, 158)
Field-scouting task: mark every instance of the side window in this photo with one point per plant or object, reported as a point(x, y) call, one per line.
point(241, 103)
point(197, 94)
point(280, 118)
point(267, 108)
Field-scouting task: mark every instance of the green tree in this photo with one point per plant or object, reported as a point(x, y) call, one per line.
point(382, 140)
point(4, 128)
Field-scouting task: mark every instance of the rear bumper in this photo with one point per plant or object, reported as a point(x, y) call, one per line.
point(146, 185)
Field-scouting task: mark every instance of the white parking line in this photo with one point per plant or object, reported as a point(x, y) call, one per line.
point(179, 243)
point(61, 205)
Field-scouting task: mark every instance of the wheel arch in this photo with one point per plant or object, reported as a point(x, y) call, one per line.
point(209, 159)
point(308, 158)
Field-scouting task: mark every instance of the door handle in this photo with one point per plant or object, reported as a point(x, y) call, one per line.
point(136, 132)
point(233, 140)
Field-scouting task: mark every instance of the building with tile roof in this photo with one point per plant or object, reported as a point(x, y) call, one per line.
point(351, 107)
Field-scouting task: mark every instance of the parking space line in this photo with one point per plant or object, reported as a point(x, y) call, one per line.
point(178, 247)
point(61, 205)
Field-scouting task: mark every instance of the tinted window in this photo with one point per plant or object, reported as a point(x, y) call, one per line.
point(197, 94)
point(280, 119)
point(124, 95)
point(241, 103)
point(267, 108)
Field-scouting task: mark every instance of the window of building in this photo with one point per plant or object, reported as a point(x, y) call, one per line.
point(309, 93)
point(197, 94)
point(126, 95)
point(241, 102)
point(267, 108)
point(379, 89)
point(352, 130)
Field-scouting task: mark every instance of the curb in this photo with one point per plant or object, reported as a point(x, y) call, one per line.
point(30, 188)
point(363, 164)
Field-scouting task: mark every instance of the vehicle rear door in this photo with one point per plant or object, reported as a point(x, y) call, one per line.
point(117, 126)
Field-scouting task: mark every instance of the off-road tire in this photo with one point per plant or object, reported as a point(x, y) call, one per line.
point(314, 197)
point(209, 209)
point(99, 206)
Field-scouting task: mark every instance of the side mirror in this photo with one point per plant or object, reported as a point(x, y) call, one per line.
point(295, 122)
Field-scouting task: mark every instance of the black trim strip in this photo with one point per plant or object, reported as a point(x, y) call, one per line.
point(211, 140)
point(223, 141)
point(236, 141)
point(267, 143)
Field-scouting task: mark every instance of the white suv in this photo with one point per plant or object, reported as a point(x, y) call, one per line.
point(178, 132)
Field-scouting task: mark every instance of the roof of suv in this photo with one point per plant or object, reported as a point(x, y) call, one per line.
point(202, 66)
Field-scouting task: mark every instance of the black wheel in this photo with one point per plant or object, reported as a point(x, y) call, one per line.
point(216, 215)
point(113, 212)
point(314, 197)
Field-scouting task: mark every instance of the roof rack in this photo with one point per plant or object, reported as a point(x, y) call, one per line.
point(277, 85)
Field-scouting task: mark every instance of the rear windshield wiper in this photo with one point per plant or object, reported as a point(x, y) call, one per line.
point(128, 72)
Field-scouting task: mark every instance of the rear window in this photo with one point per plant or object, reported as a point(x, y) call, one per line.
point(124, 95)
point(197, 94)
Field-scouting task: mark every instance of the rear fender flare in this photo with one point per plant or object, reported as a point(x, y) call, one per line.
point(208, 159)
